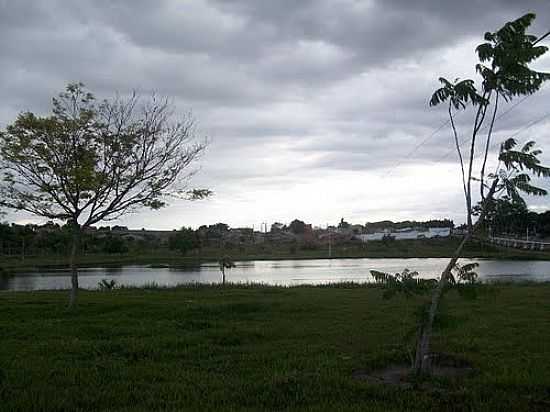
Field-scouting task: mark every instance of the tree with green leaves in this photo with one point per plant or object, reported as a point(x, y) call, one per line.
point(184, 240)
point(505, 71)
point(504, 68)
point(409, 284)
point(504, 60)
point(92, 161)
point(505, 215)
point(225, 263)
point(297, 227)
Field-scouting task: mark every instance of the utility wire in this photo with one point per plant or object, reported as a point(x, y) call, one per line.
point(418, 146)
point(501, 115)
point(520, 130)
point(438, 129)
point(542, 38)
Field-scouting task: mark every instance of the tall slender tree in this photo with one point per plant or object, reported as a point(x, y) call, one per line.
point(93, 161)
point(504, 57)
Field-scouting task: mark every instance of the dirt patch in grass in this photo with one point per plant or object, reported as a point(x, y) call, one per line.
point(401, 375)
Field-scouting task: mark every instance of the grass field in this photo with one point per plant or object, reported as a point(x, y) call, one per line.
point(264, 348)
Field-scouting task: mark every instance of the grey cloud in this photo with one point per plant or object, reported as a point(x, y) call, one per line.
point(285, 89)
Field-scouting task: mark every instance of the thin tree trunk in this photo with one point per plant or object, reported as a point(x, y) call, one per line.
point(422, 363)
point(480, 117)
point(455, 134)
point(487, 145)
point(72, 262)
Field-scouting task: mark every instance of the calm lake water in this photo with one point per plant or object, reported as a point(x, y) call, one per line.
point(273, 272)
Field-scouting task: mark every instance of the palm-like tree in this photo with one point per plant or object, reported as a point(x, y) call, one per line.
point(508, 52)
point(504, 68)
point(517, 168)
point(459, 94)
point(512, 178)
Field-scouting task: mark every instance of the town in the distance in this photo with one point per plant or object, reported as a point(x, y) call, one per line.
point(518, 229)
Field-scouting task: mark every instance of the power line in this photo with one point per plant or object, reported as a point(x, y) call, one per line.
point(441, 159)
point(418, 146)
point(429, 137)
point(423, 142)
point(542, 38)
point(501, 115)
point(520, 130)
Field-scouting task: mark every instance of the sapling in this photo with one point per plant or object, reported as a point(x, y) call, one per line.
point(225, 263)
point(407, 283)
point(504, 67)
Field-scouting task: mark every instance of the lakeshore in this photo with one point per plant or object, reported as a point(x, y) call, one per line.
point(430, 248)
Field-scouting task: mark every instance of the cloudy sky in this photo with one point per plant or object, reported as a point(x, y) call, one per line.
point(313, 109)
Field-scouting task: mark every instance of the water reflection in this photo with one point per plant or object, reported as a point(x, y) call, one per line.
point(285, 272)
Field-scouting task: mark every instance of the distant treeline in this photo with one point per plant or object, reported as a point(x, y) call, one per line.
point(52, 239)
point(513, 218)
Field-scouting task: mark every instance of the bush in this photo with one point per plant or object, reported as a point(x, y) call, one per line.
point(107, 285)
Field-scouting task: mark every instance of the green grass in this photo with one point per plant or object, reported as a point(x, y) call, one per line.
point(428, 248)
point(263, 348)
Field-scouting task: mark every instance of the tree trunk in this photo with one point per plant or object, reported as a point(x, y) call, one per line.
point(487, 146)
point(460, 158)
point(72, 263)
point(422, 362)
point(478, 122)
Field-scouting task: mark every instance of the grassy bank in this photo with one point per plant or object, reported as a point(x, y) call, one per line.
point(263, 348)
point(428, 248)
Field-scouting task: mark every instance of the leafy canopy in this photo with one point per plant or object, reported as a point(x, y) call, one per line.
point(90, 161)
point(507, 52)
point(504, 67)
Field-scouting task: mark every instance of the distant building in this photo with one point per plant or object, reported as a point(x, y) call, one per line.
point(240, 235)
point(281, 237)
point(119, 229)
point(407, 233)
point(440, 231)
point(334, 237)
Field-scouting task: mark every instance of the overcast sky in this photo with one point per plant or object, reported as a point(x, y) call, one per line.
point(314, 109)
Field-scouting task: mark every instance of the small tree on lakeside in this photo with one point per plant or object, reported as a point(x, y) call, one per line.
point(504, 59)
point(93, 161)
point(505, 74)
point(225, 263)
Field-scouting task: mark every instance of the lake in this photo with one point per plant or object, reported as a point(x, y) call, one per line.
point(272, 272)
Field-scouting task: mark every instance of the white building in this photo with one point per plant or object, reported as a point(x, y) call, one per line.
point(403, 234)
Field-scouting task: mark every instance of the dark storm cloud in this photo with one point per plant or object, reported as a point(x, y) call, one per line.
point(284, 88)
